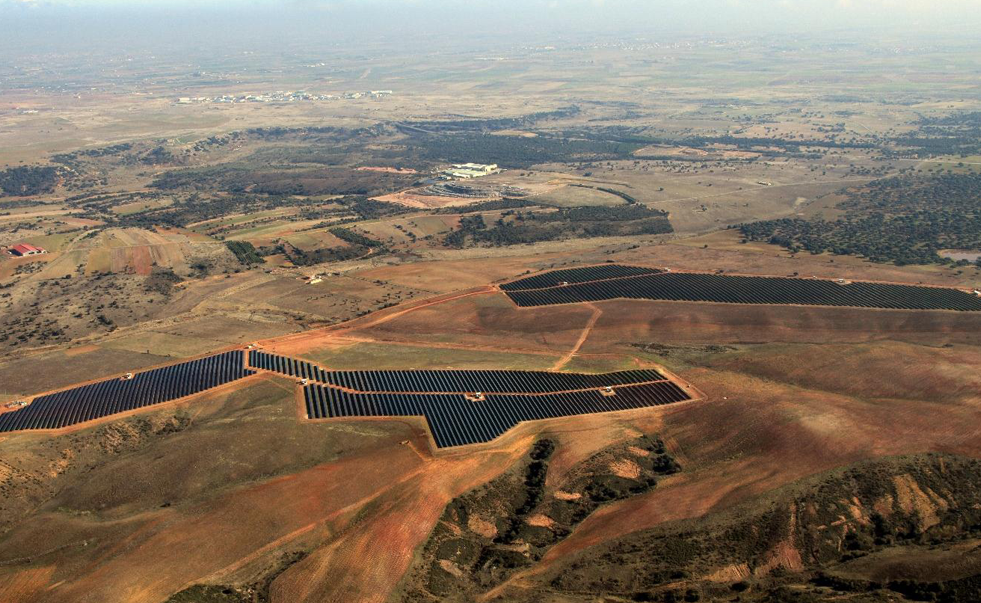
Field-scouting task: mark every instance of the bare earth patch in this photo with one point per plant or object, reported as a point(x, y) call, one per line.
point(638, 451)
point(784, 554)
point(541, 521)
point(482, 527)
point(729, 573)
point(912, 498)
point(411, 199)
point(625, 468)
point(451, 568)
point(387, 170)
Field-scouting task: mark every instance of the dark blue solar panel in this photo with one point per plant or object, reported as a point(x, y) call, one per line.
point(677, 286)
point(113, 396)
point(450, 381)
point(455, 420)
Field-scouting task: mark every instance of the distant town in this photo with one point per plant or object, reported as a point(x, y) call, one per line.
point(281, 96)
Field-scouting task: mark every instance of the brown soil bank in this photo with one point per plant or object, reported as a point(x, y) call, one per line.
point(843, 531)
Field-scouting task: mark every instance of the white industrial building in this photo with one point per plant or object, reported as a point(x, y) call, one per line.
point(466, 171)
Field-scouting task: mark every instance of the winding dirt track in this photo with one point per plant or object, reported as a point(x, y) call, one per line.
point(582, 338)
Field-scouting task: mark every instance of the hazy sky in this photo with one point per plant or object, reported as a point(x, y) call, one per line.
point(716, 12)
point(42, 22)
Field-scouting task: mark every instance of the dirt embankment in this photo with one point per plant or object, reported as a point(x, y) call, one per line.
point(843, 529)
point(488, 534)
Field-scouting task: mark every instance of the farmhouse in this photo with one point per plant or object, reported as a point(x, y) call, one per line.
point(24, 250)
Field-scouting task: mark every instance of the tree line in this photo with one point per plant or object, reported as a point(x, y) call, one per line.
point(900, 220)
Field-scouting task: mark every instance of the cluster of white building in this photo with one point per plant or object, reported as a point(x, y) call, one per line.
point(281, 96)
point(466, 171)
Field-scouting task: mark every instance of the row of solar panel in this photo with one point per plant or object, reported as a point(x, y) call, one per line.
point(456, 421)
point(529, 382)
point(755, 290)
point(112, 396)
point(504, 382)
point(286, 366)
point(576, 275)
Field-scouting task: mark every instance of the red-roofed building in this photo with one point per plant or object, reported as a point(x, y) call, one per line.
point(26, 249)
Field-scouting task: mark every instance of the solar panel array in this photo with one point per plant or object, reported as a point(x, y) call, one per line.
point(456, 421)
point(286, 366)
point(754, 290)
point(503, 382)
point(112, 396)
point(448, 381)
point(576, 275)
point(509, 397)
